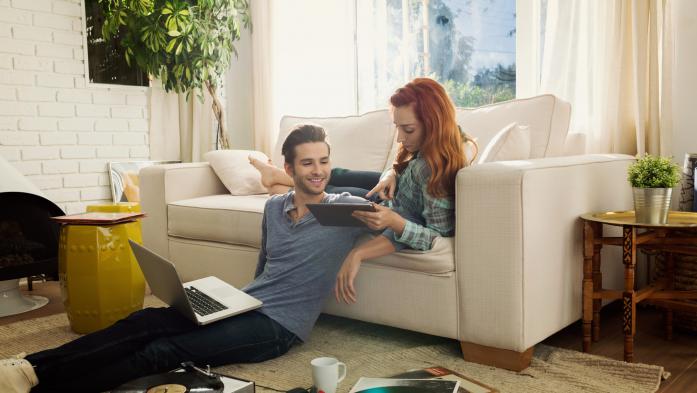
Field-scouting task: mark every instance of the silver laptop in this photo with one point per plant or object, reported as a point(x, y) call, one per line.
point(203, 301)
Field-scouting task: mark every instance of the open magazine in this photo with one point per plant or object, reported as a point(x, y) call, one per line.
point(397, 385)
point(427, 380)
point(467, 385)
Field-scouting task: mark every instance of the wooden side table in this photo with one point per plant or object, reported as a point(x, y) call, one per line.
point(677, 236)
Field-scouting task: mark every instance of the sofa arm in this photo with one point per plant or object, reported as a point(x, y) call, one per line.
point(518, 247)
point(163, 184)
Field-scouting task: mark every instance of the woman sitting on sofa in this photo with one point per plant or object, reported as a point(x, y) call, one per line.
point(419, 204)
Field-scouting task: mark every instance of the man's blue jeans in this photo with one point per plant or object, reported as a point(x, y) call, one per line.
point(156, 340)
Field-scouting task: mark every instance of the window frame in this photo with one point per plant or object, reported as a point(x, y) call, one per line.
point(86, 59)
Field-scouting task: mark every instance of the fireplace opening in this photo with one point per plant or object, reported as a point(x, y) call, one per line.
point(28, 238)
point(15, 248)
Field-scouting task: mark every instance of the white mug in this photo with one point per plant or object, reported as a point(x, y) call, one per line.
point(327, 373)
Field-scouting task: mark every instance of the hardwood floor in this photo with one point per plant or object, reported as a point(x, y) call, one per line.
point(678, 356)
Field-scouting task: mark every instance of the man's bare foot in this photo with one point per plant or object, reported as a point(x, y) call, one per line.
point(270, 175)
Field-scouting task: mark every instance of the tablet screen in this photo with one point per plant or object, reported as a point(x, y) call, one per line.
point(339, 214)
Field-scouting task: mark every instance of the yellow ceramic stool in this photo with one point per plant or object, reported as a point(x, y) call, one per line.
point(101, 281)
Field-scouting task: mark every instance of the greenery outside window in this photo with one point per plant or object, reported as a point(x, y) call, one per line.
point(467, 45)
point(106, 63)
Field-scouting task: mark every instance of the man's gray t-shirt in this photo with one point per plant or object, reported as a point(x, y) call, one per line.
point(298, 263)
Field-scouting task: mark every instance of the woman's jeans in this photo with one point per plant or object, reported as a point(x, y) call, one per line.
point(156, 340)
point(356, 183)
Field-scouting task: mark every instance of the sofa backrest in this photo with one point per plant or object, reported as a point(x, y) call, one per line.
point(358, 142)
point(547, 116)
point(368, 141)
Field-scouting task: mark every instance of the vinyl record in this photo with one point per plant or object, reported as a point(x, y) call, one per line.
point(168, 388)
point(178, 382)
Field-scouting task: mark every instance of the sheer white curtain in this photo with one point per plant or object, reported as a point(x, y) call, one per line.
point(612, 60)
point(387, 49)
point(303, 62)
point(179, 129)
point(264, 118)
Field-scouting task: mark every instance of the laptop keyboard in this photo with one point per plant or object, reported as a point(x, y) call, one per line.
point(201, 303)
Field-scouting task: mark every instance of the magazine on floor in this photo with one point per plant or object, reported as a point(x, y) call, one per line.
point(398, 385)
point(467, 385)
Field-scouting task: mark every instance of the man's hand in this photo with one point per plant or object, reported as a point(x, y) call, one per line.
point(383, 217)
point(344, 289)
point(385, 188)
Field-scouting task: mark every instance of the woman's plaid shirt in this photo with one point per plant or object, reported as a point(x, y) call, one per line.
point(427, 217)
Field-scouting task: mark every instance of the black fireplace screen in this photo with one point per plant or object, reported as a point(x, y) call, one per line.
point(28, 238)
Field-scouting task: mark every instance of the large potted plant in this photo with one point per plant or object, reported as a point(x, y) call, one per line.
point(652, 179)
point(187, 44)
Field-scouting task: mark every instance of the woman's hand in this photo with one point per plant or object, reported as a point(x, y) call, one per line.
point(344, 289)
point(383, 217)
point(385, 187)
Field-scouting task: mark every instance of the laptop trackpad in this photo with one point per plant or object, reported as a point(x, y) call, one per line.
point(222, 292)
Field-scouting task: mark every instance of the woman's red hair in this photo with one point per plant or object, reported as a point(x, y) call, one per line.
point(442, 145)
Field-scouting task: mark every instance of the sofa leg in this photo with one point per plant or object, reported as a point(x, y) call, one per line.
point(501, 358)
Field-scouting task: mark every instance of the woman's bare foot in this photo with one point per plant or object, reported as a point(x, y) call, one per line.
point(270, 175)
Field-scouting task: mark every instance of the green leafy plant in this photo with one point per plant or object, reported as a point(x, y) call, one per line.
point(187, 44)
point(470, 95)
point(653, 172)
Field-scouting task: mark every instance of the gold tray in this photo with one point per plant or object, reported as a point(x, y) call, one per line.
point(676, 219)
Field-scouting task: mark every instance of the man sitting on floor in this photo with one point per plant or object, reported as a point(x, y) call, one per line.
point(297, 268)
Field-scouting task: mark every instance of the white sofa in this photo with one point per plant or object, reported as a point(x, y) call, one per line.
point(510, 277)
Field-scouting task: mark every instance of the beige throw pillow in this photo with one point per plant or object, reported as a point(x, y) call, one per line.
point(235, 171)
point(511, 143)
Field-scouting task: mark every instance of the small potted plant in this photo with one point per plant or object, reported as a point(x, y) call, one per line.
point(652, 179)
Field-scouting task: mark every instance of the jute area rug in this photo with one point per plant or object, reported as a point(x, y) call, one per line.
point(377, 351)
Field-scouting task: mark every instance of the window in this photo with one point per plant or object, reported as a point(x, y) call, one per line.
point(466, 45)
point(105, 60)
point(338, 57)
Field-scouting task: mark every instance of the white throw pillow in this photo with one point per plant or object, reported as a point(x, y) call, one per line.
point(360, 143)
point(235, 171)
point(511, 143)
point(547, 116)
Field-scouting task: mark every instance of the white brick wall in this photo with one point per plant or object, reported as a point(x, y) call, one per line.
point(55, 129)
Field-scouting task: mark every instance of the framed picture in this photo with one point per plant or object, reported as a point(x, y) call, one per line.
point(125, 185)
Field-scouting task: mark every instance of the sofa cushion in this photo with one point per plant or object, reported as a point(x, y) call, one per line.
point(440, 259)
point(511, 143)
point(546, 115)
point(235, 171)
point(220, 218)
point(358, 142)
point(235, 219)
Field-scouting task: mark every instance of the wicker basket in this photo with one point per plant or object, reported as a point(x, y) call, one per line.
point(685, 279)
